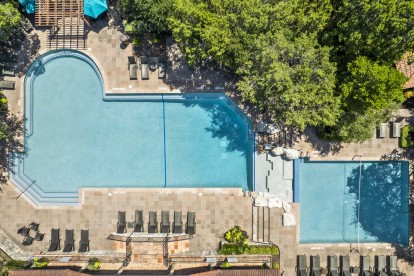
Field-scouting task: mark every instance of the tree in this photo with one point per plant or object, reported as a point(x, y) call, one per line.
point(295, 81)
point(369, 85)
point(9, 20)
point(146, 15)
point(382, 30)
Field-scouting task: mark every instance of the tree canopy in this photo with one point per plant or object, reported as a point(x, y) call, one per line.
point(9, 19)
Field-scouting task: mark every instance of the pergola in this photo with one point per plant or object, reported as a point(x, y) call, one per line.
point(65, 17)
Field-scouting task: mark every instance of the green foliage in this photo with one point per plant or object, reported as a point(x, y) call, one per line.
point(9, 19)
point(237, 236)
point(407, 135)
point(380, 30)
point(237, 249)
point(369, 85)
point(136, 42)
point(145, 15)
point(94, 264)
point(275, 266)
point(225, 265)
point(16, 265)
point(40, 262)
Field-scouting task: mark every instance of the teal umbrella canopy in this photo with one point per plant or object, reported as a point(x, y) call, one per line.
point(29, 5)
point(94, 8)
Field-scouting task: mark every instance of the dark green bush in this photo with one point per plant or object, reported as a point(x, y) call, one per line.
point(230, 249)
point(17, 265)
point(236, 235)
point(406, 139)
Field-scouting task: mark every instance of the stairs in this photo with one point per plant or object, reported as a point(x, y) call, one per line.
point(261, 223)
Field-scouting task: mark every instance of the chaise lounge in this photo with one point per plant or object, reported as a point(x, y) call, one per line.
point(315, 265)
point(191, 223)
point(84, 242)
point(345, 266)
point(54, 243)
point(333, 266)
point(153, 223)
point(139, 221)
point(178, 222)
point(301, 268)
point(380, 265)
point(121, 225)
point(366, 266)
point(165, 222)
point(393, 269)
point(5, 84)
point(144, 68)
point(69, 241)
point(132, 66)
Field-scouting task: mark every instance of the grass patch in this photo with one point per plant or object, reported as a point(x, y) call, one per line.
point(407, 137)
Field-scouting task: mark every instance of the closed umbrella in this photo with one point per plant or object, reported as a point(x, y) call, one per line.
point(94, 8)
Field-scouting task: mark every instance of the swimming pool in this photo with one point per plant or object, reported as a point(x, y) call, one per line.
point(76, 136)
point(329, 193)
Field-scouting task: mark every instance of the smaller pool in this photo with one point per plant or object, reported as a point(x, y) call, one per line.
point(347, 202)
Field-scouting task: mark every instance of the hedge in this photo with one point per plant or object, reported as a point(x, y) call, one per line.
point(229, 249)
point(406, 141)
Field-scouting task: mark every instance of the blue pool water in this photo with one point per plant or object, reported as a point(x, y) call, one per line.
point(329, 194)
point(75, 138)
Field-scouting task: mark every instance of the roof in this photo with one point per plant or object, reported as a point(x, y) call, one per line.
point(406, 66)
point(46, 272)
point(237, 272)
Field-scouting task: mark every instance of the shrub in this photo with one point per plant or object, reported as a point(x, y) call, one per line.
point(275, 266)
point(407, 133)
point(41, 262)
point(225, 265)
point(3, 100)
point(17, 265)
point(236, 235)
point(94, 264)
point(236, 249)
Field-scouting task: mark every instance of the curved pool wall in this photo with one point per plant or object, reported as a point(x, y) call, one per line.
point(31, 188)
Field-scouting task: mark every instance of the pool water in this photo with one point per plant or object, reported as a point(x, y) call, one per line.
point(329, 193)
point(78, 139)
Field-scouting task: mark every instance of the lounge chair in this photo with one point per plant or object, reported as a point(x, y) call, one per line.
point(144, 68)
point(8, 72)
point(84, 241)
point(333, 266)
point(396, 129)
point(393, 269)
point(190, 226)
point(34, 226)
point(24, 231)
point(54, 243)
point(383, 130)
point(315, 265)
point(5, 84)
point(153, 223)
point(69, 241)
point(301, 268)
point(162, 67)
point(121, 225)
point(178, 222)
point(39, 236)
point(27, 241)
point(132, 66)
point(380, 265)
point(165, 222)
point(345, 266)
point(366, 266)
point(139, 221)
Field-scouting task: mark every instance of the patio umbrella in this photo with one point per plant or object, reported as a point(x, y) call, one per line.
point(29, 5)
point(94, 8)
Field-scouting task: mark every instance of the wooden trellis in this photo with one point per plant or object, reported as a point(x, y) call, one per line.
point(65, 17)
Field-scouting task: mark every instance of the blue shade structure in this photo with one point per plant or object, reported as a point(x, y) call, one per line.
point(29, 5)
point(94, 8)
